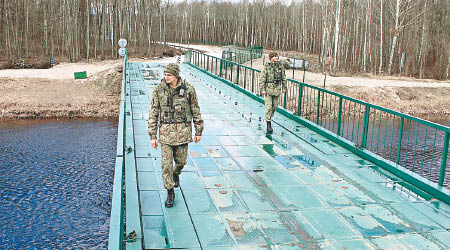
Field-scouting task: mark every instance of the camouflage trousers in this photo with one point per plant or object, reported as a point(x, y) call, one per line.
point(170, 154)
point(271, 103)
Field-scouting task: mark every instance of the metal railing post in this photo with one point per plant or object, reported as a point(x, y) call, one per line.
point(231, 71)
point(365, 126)
point(318, 107)
point(221, 65)
point(253, 81)
point(300, 96)
point(245, 78)
point(399, 141)
point(338, 132)
point(237, 74)
point(444, 159)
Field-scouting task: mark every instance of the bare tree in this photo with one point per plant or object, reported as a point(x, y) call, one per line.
point(401, 20)
point(336, 34)
point(380, 69)
point(422, 43)
point(364, 35)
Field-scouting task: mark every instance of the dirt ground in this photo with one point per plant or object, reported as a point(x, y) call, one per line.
point(63, 71)
point(32, 97)
point(53, 93)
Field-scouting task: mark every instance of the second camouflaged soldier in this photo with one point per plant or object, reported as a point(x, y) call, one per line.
point(273, 83)
point(174, 106)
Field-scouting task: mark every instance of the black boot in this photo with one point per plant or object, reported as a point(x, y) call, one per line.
point(170, 197)
point(176, 179)
point(269, 127)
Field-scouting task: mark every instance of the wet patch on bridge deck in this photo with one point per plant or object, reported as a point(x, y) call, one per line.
point(293, 189)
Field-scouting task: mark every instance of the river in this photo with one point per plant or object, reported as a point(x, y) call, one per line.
point(56, 183)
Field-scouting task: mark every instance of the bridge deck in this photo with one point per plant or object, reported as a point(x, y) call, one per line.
point(243, 189)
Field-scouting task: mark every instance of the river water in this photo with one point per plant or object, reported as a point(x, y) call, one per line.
point(56, 183)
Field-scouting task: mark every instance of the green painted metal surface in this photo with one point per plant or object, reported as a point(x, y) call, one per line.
point(364, 125)
point(409, 175)
point(116, 232)
point(132, 212)
point(245, 189)
point(116, 220)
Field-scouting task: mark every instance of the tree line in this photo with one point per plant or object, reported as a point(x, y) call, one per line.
point(389, 37)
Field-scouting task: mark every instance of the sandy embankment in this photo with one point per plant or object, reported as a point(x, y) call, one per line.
point(50, 93)
point(54, 93)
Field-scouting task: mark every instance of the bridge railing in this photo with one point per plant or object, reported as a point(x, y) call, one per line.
point(407, 146)
point(241, 54)
point(116, 224)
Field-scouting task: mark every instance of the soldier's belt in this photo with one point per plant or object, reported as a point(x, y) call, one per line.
point(174, 122)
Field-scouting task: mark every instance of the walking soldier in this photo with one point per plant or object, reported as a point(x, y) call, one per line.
point(174, 106)
point(273, 82)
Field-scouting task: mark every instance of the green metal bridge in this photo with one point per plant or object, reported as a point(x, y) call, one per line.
point(337, 173)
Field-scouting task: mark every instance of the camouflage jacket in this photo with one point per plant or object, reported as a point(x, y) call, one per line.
point(268, 76)
point(174, 113)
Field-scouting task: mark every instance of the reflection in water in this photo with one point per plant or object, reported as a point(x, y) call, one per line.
point(420, 146)
point(416, 146)
point(56, 182)
point(420, 150)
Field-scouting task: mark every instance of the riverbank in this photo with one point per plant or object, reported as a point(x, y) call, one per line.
point(55, 95)
point(425, 102)
point(424, 98)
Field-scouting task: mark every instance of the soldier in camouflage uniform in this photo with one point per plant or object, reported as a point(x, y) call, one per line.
point(174, 105)
point(273, 82)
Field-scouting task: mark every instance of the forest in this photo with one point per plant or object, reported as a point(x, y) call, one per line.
point(381, 37)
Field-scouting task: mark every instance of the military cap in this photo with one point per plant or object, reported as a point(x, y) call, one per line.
point(272, 54)
point(172, 68)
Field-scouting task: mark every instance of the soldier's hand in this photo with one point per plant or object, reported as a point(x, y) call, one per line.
point(283, 91)
point(197, 138)
point(264, 93)
point(154, 143)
